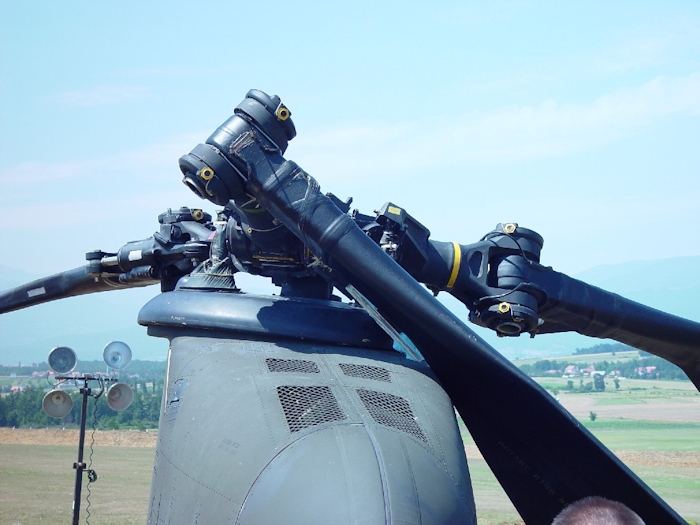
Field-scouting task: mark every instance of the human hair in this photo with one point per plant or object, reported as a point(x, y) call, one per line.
point(595, 510)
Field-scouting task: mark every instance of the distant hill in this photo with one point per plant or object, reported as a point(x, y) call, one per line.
point(87, 323)
point(671, 285)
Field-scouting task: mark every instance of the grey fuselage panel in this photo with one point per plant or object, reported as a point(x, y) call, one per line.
point(257, 430)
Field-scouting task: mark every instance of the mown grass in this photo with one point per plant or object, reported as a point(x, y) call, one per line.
point(25, 381)
point(679, 487)
point(492, 503)
point(618, 400)
point(678, 484)
point(37, 484)
point(647, 435)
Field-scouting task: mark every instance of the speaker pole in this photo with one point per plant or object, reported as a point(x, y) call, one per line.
point(80, 466)
point(62, 360)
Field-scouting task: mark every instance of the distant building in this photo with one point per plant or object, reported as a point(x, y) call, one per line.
point(571, 371)
point(588, 371)
point(646, 371)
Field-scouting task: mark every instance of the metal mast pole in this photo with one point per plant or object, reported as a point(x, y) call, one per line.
point(80, 466)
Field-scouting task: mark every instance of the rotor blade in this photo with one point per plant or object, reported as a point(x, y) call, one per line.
point(532, 444)
point(59, 286)
point(576, 306)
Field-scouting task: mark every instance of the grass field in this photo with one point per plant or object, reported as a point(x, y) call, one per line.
point(654, 428)
point(665, 458)
point(37, 483)
point(24, 381)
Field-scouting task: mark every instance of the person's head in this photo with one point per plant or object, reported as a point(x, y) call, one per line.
point(595, 510)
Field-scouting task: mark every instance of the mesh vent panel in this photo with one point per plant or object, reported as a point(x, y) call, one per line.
point(392, 411)
point(291, 365)
point(306, 406)
point(366, 372)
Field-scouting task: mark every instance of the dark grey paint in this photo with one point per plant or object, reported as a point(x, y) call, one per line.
point(228, 452)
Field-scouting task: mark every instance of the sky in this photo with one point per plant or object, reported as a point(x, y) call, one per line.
point(579, 120)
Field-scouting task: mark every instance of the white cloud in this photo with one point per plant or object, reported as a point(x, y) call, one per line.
point(665, 46)
point(29, 173)
point(670, 41)
point(501, 135)
point(158, 154)
point(363, 159)
point(98, 96)
point(496, 136)
point(378, 152)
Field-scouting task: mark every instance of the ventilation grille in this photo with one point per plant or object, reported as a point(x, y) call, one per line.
point(392, 411)
point(291, 365)
point(306, 406)
point(366, 372)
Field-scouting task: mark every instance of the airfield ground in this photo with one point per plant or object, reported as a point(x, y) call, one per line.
point(69, 437)
point(654, 427)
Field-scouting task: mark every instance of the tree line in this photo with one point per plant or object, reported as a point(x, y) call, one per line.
point(24, 409)
point(604, 348)
point(136, 367)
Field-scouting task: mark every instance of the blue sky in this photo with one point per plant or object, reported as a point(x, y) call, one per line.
point(578, 120)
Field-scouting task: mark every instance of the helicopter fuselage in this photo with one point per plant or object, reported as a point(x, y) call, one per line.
point(262, 426)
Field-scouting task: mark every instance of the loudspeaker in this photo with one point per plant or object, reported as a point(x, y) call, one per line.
point(117, 355)
point(62, 360)
point(57, 404)
point(119, 396)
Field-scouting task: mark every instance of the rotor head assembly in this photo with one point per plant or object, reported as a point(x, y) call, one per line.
point(212, 172)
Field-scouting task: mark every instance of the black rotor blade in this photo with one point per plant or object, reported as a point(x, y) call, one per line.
point(59, 286)
point(534, 446)
point(531, 443)
point(573, 305)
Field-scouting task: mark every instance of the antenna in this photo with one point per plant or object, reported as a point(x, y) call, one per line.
point(58, 404)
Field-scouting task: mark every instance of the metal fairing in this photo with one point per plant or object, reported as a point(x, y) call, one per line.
point(283, 430)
